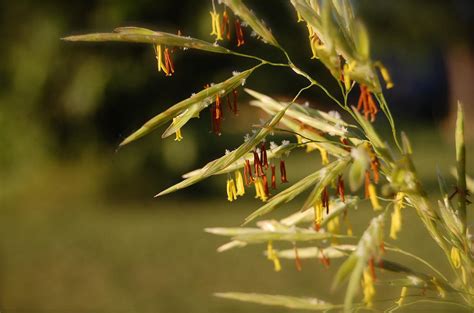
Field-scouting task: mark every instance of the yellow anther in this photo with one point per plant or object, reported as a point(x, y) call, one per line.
point(373, 198)
point(216, 25)
point(403, 295)
point(396, 224)
point(441, 291)
point(231, 191)
point(300, 18)
point(178, 137)
point(347, 77)
point(368, 287)
point(318, 212)
point(239, 182)
point(159, 59)
point(272, 256)
point(455, 257)
point(385, 75)
point(260, 190)
point(324, 156)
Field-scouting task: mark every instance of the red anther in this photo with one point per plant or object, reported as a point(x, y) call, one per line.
point(298, 265)
point(345, 142)
point(273, 176)
point(367, 104)
point(360, 103)
point(283, 177)
point(367, 183)
point(216, 115)
point(341, 188)
point(325, 260)
point(374, 165)
point(265, 185)
point(257, 165)
point(225, 27)
point(235, 94)
point(218, 108)
point(263, 155)
point(373, 110)
point(239, 33)
point(372, 268)
point(325, 199)
point(229, 104)
point(248, 173)
point(317, 226)
point(168, 63)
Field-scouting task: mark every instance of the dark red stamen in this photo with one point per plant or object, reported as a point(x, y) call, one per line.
point(257, 164)
point(229, 104)
point(265, 185)
point(248, 173)
point(298, 265)
point(225, 27)
point(168, 63)
point(273, 176)
point(283, 172)
point(372, 268)
point(367, 183)
point(374, 165)
point(235, 94)
point(367, 104)
point(325, 260)
point(239, 33)
point(216, 112)
point(341, 188)
point(263, 155)
point(325, 199)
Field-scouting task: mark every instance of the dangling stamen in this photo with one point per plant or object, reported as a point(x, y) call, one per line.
point(325, 199)
point(272, 256)
point(340, 188)
point(318, 214)
point(260, 189)
point(216, 28)
point(396, 223)
point(257, 163)
point(239, 33)
point(297, 259)
point(231, 191)
point(367, 104)
point(225, 29)
point(239, 182)
point(216, 115)
point(159, 58)
point(248, 173)
point(373, 198)
point(283, 177)
point(368, 287)
point(367, 184)
point(179, 137)
point(235, 94)
point(324, 259)
point(263, 155)
point(168, 63)
point(229, 104)
point(385, 75)
point(265, 185)
point(374, 165)
point(373, 110)
point(273, 176)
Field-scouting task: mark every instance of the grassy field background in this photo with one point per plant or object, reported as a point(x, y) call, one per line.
point(64, 247)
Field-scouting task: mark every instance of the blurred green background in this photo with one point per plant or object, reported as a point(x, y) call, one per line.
point(80, 231)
